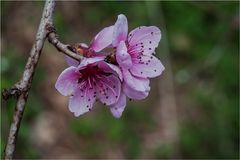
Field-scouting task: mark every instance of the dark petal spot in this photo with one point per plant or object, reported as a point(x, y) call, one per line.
point(141, 43)
point(150, 42)
point(146, 63)
point(115, 108)
point(89, 99)
point(116, 96)
point(151, 57)
point(81, 96)
point(148, 60)
point(114, 86)
point(90, 109)
point(150, 48)
point(95, 92)
point(136, 44)
point(106, 97)
point(141, 72)
point(130, 99)
point(104, 103)
point(94, 96)
point(87, 106)
point(155, 70)
point(151, 33)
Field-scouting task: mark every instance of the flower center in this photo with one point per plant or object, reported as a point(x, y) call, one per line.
point(90, 71)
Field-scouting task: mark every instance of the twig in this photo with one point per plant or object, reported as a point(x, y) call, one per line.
point(65, 49)
point(22, 87)
point(7, 93)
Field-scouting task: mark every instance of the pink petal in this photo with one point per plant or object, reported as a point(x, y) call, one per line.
point(110, 68)
point(120, 30)
point(108, 89)
point(86, 61)
point(67, 81)
point(147, 66)
point(136, 83)
point(71, 61)
point(119, 106)
point(134, 94)
point(82, 101)
point(144, 40)
point(103, 39)
point(123, 58)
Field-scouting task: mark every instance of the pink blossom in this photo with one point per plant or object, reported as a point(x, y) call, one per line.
point(134, 55)
point(91, 80)
point(111, 77)
point(98, 43)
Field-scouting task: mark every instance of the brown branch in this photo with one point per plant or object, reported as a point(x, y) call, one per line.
point(65, 49)
point(21, 88)
point(7, 93)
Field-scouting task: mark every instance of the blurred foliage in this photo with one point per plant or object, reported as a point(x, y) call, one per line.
point(203, 41)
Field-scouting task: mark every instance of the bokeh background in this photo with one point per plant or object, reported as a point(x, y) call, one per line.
point(193, 107)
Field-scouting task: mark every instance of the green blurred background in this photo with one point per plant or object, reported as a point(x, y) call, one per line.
point(193, 107)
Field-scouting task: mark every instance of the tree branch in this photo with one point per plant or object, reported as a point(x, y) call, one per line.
point(21, 88)
point(65, 49)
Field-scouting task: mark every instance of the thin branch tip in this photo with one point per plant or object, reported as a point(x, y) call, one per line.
point(64, 48)
point(12, 92)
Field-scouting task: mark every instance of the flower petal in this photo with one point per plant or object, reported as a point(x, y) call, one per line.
point(147, 66)
point(103, 39)
point(120, 30)
point(86, 61)
point(136, 83)
point(110, 68)
point(134, 94)
point(108, 88)
point(67, 81)
point(144, 40)
point(71, 61)
point(119, 106)
point(82, 101)
point(123, 58)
